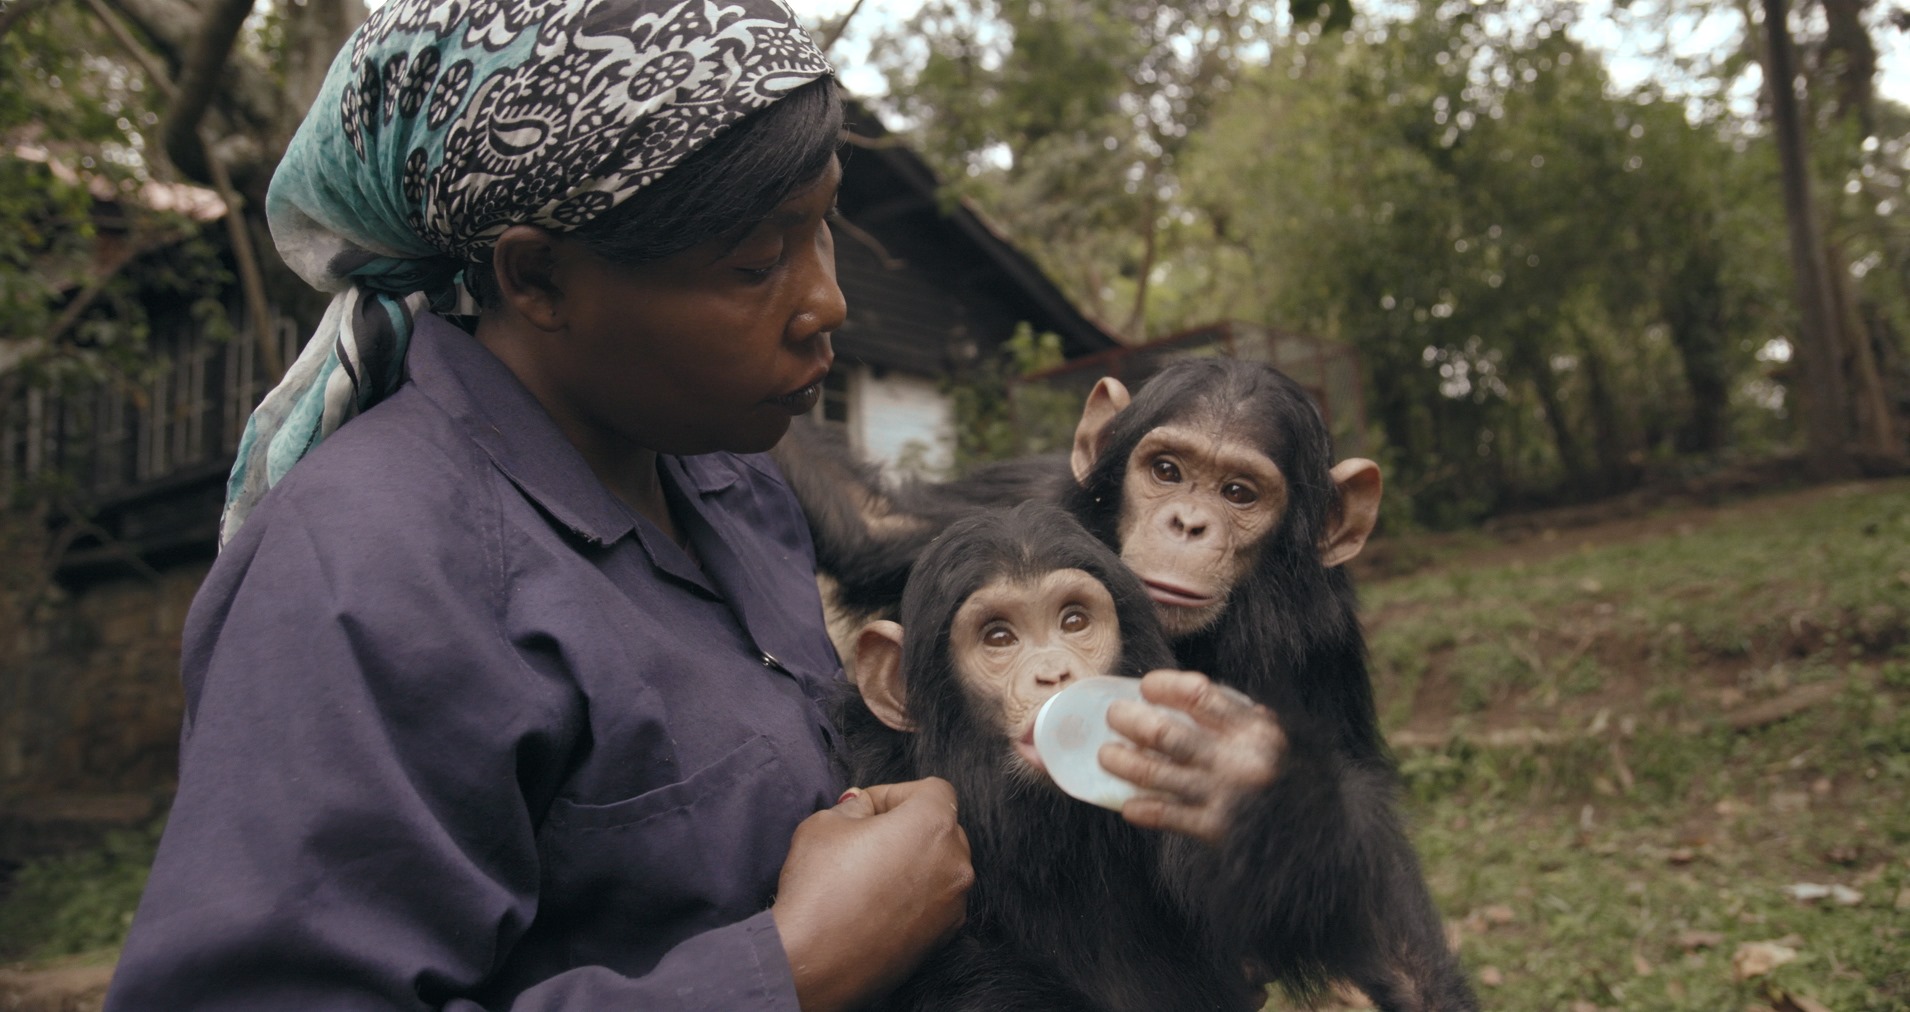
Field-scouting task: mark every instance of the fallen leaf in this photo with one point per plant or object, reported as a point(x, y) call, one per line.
point(1811, 892)
point(1846, 856)
point(1903, 898)
point(1784, 1001)
point(1790, 802)
point(1584, 1006)
point(1640, 965)
point(1755, 959)
point(1682, 855)
point(1499, 915)
point(1693, 940)
point(1821, 786)
point(1489, 976)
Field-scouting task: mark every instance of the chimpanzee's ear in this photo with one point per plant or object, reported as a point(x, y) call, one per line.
point(1353, 518)
point(878, 674)
point(1108, 398)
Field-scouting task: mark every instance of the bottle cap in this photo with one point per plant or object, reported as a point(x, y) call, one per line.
point(1070, 729)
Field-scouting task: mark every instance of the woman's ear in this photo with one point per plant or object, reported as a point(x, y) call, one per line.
point(1352, 521)
point(1108, 398)
point(878, 673)
point(524, 264)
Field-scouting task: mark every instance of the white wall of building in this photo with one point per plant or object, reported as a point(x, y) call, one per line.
point(904, 422)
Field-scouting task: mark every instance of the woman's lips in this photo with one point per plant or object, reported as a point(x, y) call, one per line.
point(800, 401)
point(1176, 596)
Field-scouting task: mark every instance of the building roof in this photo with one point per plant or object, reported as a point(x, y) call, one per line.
point(901, 223)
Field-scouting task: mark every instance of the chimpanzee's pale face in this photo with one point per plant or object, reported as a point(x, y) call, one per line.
point(1015, 643)
point(1195, 510)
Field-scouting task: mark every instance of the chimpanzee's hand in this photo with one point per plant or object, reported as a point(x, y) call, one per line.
point(869, 888)
point(1194, 774)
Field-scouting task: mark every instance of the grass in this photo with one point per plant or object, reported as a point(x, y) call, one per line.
point(76, 903)
point(1622, 861)
point(1622, 857)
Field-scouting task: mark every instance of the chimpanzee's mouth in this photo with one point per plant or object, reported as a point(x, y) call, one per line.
point(1176, 596)
point(1025, 747)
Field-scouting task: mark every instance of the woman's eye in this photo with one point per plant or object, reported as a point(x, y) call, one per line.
point(1166, 471)
point(1238, 494)
point(998, 636)
point(1074, 621)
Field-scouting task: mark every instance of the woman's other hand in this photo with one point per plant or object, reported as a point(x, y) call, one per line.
point(870, 887)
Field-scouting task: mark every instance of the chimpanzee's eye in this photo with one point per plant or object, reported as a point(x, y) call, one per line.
point(998, 636)
point(1166, 471)
point(1239, 494)
point(1074, 620)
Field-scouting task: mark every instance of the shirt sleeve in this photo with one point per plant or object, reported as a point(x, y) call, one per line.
point(365, 761)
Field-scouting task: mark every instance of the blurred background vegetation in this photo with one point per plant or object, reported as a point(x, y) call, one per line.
point(1559, 288)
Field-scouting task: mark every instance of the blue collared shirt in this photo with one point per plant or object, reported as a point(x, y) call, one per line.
point(463, 731)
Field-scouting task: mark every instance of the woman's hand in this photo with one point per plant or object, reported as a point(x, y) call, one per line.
point(1194, 774)
point(869, 888)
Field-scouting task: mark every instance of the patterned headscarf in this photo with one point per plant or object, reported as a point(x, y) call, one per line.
point(444, 122)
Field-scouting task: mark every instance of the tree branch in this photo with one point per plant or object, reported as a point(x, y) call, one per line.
point(836, 30)
point(198, 81)
point(251, 275)
point(250, 98)
point(18, 12)
point(139, 54)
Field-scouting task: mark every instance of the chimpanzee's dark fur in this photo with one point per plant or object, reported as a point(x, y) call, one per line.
point(1320, 881)
point(1072, 908)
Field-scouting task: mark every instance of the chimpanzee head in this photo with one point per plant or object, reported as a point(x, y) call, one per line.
point(1216, 464)
point(1004, 610)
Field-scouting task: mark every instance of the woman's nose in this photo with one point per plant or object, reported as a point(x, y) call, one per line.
point(822, 307)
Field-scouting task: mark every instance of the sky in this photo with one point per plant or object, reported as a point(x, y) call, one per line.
point(1627, 49)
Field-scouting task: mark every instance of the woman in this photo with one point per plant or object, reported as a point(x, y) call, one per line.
point(508, 694)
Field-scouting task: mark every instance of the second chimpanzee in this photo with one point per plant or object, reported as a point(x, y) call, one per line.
point(1217, 486)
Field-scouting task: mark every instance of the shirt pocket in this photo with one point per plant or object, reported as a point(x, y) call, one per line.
point(647, 872)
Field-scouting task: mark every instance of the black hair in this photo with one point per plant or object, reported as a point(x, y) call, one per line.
point(723, 188)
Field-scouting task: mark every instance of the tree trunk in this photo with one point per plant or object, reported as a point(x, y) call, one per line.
point(1694, 311)
point(1851, 57)
point(1150, 244)
point(1827, 434)
point(1611, 443)
point(1571, 455)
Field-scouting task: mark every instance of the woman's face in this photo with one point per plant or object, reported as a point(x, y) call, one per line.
point(715, 348)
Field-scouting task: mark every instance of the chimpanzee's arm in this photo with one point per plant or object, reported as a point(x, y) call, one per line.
point(861, 541)
point(868, 532)
point(1317, 881)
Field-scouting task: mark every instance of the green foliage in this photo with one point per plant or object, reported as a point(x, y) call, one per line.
point(1066, 117)
point(89, 270)
point(77, 902)
point(998, 417)
point(1558, 290)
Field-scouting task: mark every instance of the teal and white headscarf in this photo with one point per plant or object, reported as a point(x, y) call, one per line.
point(444, 122)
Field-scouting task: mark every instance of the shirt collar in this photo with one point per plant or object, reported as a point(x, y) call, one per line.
point(477, 390)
